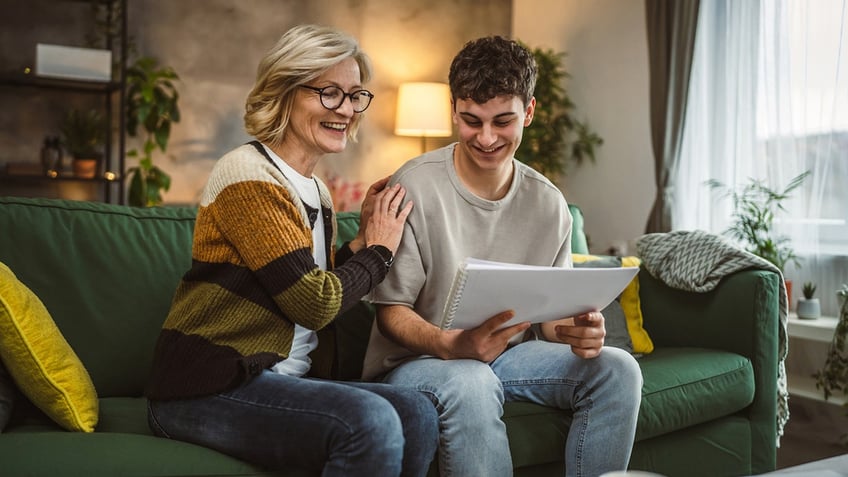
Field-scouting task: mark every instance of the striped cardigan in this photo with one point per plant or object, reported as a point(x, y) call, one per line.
point(252, 278)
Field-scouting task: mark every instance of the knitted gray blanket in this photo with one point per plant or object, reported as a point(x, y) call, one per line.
point(696, 261)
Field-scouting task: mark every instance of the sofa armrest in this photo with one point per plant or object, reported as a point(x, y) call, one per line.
point(740, 315)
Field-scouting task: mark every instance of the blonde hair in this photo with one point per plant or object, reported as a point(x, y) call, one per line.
point(302, 54)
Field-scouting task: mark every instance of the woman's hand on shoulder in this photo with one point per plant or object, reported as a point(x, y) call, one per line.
point(384, 225)
point(365, 212)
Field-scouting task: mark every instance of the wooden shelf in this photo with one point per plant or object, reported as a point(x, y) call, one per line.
point(53, 93)
point(36, 178)
point(33, 81)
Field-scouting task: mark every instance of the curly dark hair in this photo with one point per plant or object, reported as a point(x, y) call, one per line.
point(492, 66)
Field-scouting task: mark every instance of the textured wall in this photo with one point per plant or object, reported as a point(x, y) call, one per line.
point(214, 45)
point(607, 57)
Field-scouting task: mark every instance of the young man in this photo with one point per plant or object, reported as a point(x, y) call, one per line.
point(473, 199)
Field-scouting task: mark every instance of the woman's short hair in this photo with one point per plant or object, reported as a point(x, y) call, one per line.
point(302, 54)
point(493, 66)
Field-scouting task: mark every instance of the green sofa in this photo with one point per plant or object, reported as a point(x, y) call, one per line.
point(107, 274)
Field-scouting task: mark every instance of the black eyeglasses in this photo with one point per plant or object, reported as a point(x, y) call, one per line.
point(332, 97)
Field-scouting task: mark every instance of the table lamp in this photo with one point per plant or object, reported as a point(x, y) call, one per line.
point(423, 109)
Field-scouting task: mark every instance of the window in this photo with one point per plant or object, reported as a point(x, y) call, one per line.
point(768, 99)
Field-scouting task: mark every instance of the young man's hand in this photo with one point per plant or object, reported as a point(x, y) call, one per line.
point(585, 333)
point(485, 342)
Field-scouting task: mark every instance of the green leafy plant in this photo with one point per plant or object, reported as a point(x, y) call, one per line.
point(809, 290)
point(754, 209)
point(83, 133)
point(833, 377)
point(152, 108)
point(556, 136)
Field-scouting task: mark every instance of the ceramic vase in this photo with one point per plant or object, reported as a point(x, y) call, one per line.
point(808, 308)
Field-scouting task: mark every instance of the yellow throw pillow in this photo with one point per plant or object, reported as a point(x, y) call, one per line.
point(629, 299)
point(42, 364)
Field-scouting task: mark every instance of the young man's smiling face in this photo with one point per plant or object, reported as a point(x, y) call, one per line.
point(490, 133)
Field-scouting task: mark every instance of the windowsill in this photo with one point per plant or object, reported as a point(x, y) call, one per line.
point(819, 330)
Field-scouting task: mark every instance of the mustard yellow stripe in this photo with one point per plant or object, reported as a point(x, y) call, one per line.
point(258, 215)
point(233, 321)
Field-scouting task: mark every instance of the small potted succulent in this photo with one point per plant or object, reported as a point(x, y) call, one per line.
point(809, 307)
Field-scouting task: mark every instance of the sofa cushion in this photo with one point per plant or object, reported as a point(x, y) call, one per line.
point(113, 454)
point(629, 299)
point(41, 362)
point(688, 386)
point(680, 391)
point(107, 274)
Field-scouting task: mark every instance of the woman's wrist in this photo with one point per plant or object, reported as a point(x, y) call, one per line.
point(357, 244)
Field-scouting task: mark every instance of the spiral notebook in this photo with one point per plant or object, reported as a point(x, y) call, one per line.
point(483, 288)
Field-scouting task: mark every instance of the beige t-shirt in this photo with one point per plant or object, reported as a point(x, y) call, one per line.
point(531, 224)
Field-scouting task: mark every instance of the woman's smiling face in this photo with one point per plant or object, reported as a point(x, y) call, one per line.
point(314, 129)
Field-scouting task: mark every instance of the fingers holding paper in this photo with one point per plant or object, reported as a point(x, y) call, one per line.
point(487, 341)
point(584, 333)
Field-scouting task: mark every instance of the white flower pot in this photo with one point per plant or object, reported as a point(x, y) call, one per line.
point(808, 309)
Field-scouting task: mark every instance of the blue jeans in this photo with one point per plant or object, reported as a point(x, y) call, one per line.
point(277, 421)
point(604, 394)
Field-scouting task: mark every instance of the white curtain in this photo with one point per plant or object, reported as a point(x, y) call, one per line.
point(768, 100)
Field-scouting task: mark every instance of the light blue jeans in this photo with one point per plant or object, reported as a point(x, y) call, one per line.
point(604, 394)
point(344, 428)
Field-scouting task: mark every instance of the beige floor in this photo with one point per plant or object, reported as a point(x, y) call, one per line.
point(813, 432)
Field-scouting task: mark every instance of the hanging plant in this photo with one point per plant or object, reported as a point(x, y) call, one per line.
point(833, 377)
point(555, 137)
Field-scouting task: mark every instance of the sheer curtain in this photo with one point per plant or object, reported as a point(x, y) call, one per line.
point(768, 99)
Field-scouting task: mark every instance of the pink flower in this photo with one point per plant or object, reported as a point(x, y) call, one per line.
point(347, 195)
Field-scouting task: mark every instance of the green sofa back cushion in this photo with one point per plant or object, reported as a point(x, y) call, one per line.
point(106, 274)
point(349, 224)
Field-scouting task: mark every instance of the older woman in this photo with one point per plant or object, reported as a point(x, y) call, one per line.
point(232, 368)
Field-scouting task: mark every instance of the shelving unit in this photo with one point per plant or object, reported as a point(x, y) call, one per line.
point(110, 172)
point(819, 330)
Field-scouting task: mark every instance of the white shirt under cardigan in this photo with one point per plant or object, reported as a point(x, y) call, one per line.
point(531, 224)
point(305, 340)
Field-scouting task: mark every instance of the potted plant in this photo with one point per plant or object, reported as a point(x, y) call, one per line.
point(752, 222)
point(809, 307)
point(83, 135)
point(833, 376)
point(555, 136)
point(151, 109)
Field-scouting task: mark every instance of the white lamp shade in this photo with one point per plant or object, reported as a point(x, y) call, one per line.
point(423, 110)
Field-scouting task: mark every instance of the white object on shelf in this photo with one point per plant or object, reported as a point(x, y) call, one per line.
point(70, 62)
